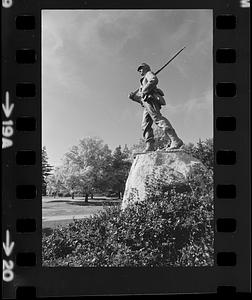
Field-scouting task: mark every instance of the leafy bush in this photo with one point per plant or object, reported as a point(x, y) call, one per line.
point(170, 229)
point(203, 151)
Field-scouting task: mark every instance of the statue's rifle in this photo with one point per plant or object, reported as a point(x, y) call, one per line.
point(169, 61)
point(166, 64)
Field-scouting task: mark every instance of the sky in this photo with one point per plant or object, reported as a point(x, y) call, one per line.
point(89, 62)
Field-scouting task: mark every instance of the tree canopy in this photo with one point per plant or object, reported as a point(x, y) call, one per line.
point(91, 167)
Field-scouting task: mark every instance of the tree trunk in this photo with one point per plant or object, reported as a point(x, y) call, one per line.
point(119, 195)
point(72, 195)
point(92, 196)
point(86, 198)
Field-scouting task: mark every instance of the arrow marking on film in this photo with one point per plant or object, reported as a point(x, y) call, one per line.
point(7, 108)
point(8, 247)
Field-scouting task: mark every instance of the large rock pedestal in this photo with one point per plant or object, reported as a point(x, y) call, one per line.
point(154, 169)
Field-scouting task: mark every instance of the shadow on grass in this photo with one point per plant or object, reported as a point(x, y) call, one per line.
point(91, 202)
point(103, 203)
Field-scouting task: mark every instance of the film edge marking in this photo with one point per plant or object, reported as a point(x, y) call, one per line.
point(8, 266)
point(7, 125)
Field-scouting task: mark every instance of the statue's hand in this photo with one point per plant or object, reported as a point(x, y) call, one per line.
point(143, 94)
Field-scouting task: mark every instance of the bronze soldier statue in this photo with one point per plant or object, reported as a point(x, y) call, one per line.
point(151, 98)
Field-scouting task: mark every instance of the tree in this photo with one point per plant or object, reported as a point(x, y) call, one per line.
point(85, 166)
point(119, 170)
point(203, 151)
point(126, 152)
point(46, 170)
point(55, 182)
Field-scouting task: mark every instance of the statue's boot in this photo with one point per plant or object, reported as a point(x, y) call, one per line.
point(176, 142)
point(149, 146)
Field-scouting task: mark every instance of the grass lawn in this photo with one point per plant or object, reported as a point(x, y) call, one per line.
point(62, 210)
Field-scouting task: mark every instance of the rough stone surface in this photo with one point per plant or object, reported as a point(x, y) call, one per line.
point(165, 168)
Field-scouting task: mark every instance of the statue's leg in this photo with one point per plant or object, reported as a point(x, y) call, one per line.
point(153, 108)
point(148, 131)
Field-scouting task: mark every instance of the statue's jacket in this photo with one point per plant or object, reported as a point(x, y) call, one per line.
point(148, 86)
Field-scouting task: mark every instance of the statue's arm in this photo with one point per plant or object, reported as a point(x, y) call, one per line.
point(135, 96)
point(152, 82)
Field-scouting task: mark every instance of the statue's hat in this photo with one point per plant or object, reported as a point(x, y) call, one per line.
point(143, 65)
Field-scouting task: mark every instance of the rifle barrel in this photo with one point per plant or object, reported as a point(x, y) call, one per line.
point(169, 61)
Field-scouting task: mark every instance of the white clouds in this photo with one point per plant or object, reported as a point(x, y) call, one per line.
point(194, 118)
point(203, 103)
point(94, 32)
point(80, 40)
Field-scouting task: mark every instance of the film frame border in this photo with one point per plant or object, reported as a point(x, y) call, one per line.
point(22, 216)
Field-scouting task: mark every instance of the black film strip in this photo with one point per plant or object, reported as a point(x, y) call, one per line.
point(23, 273)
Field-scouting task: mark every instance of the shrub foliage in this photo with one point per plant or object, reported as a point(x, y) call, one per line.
point(203, 151)
point(170, 229)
